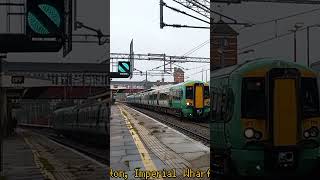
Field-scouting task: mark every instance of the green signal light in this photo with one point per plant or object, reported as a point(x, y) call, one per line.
point(124, 67)
point(121, 69)
point(37, 26)
point(52, 13)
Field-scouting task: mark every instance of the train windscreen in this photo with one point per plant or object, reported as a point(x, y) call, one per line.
point(310, 97)
point(253, 103)
point(189, 92)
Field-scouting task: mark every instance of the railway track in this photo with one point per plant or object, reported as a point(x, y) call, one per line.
point(196, 131)
point(98, 154)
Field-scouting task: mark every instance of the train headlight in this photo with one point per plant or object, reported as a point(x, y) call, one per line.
point(257, 135)
point(306, 134)
point(188, 104)
point(249, 133)
point(314, 131)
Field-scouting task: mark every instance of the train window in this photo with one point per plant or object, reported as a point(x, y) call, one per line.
point(206, 92)
point(253, 103)
point(310, 97)
point(163, 96)
point(189, 92)
point(174, 94)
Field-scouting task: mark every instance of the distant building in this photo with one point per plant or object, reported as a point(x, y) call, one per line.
point(223, 46)
point(178, 75)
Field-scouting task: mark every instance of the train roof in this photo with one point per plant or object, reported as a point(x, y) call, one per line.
point(188, 83)
point(250, 65)
point(164, 87)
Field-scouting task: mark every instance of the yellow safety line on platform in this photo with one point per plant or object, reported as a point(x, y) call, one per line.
point(38, 163)
point(145, 156)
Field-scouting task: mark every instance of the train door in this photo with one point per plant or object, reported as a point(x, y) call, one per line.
point(199, 92)
point(283, 106)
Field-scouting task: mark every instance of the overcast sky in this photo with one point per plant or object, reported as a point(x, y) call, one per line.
point(139, 20)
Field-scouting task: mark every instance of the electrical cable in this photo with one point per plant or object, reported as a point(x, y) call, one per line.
point(286, 17)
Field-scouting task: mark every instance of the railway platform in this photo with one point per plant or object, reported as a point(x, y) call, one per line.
point(141, 146)
point(18, 161)
point(29, 155)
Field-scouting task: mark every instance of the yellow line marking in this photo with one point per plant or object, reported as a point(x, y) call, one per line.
point(145, 156)
point(38, 163)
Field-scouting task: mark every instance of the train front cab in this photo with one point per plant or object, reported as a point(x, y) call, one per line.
point(197, 100)
point(280, 123)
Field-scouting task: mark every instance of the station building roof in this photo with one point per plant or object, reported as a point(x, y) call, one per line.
point(53, 67)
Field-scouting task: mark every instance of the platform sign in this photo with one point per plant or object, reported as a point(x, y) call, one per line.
point(17, 79)
point(45, 18)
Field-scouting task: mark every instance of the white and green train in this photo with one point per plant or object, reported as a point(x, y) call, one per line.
point(188, 99)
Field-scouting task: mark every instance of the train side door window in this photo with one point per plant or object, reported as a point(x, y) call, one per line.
point(206, 92)
point(176, 95)
point(189, 92)
point(310, 97)
point(253, 101)
point(180, 93)
point(214, 104)
point(218, 106)
point(225, 104)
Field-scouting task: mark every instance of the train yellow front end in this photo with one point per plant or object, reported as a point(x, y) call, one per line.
point(197, 100)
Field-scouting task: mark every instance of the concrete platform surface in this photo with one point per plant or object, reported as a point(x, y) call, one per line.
point(30, 155)
point(136, 137)
point(18, 161)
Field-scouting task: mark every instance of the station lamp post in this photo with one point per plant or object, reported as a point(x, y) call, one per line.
point(308, 42)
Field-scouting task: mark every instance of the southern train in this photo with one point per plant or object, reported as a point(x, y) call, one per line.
point(265, 119)
point(189, 99)
point(88, 122)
